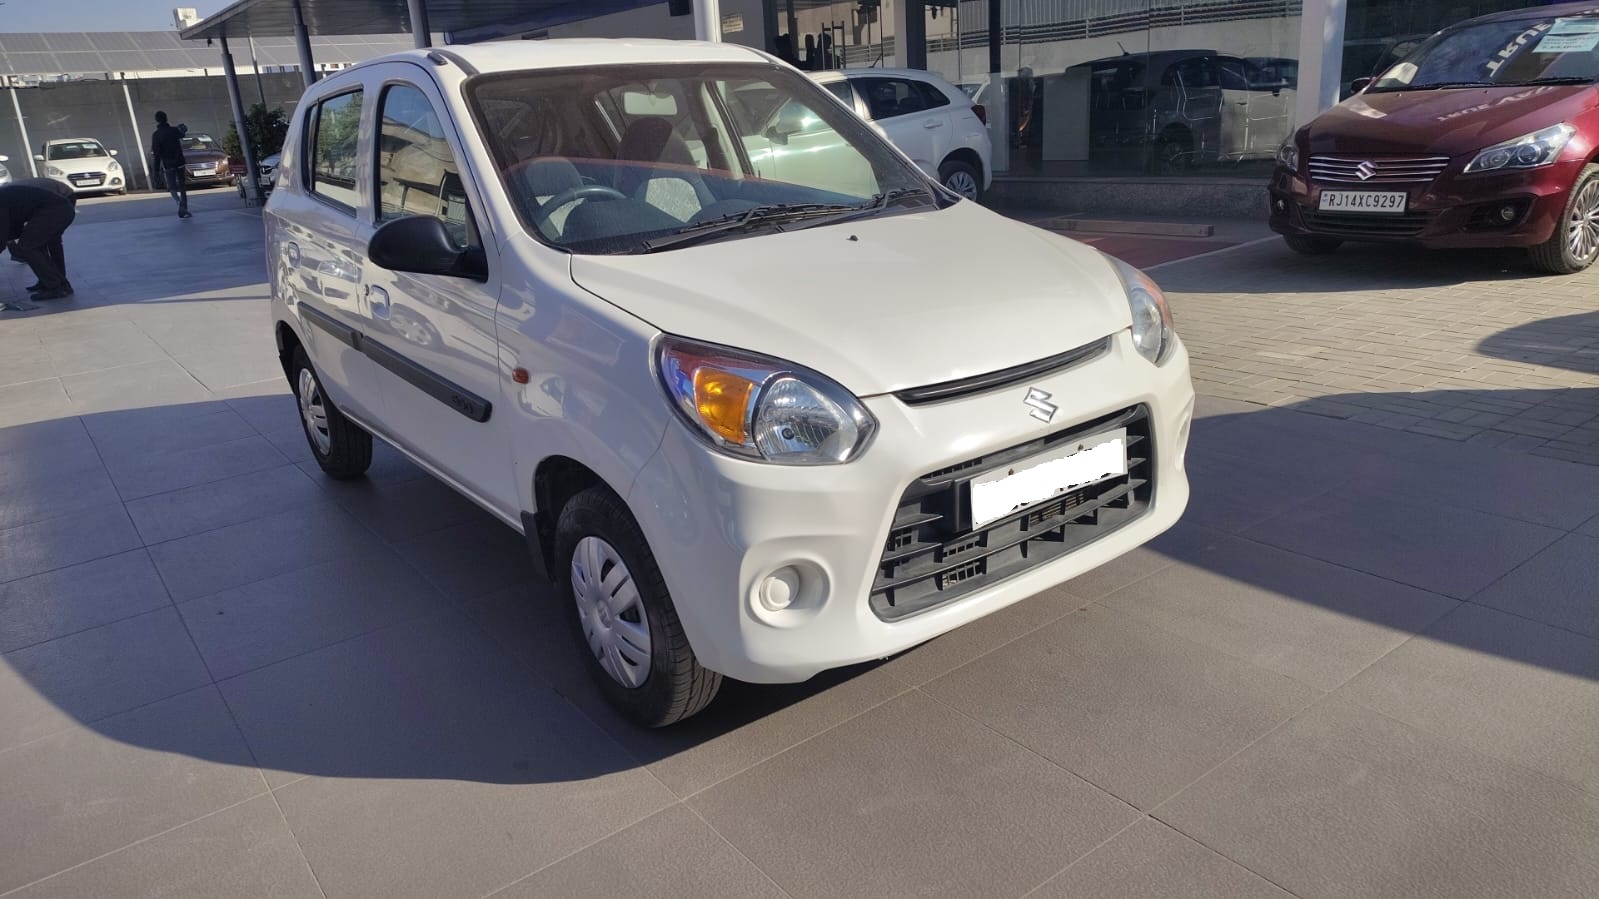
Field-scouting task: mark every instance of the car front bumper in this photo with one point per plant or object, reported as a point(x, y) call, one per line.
point(1453, 210)
point(719, 527)
point(109, 182)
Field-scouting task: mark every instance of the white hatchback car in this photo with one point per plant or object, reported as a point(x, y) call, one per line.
point(83, 164)
point(750, 425)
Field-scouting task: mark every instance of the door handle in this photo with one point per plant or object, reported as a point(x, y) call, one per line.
point(932, 123)
point(378, 299)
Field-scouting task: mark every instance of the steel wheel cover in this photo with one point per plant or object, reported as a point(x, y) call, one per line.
point(611, 612)
point(314, 412)
point(963, 183)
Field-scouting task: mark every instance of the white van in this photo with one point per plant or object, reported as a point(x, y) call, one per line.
point(751, 426)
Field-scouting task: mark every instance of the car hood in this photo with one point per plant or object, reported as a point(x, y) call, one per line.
point(1443, 122)
point(90, 164)
point(902, 300)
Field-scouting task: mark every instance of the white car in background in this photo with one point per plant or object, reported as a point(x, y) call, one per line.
point(83, 164)
point(5, 173)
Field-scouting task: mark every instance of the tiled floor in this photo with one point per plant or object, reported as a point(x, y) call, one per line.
point(1366, 664)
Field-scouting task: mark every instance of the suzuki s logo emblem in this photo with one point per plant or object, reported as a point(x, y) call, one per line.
point(1366, 171)
point(1039, 405)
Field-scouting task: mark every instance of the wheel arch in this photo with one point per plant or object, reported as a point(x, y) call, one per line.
point(555, 481)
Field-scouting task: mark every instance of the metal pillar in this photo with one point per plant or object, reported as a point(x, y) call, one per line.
point(1321, 57)
point(910, 33)
point(996, 35)
point(144, 158)
point(252, 175)
point(707, 20)
point(419, 24)
point(302, 43)
point(255, 64)
point(996, 100)
point(27, 145)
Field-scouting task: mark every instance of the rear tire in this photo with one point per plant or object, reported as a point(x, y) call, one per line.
point(623, 617)
point(1174, 154)
point(962, 178)
point(341, 448)
point(1575, 244)
point(1308, 245)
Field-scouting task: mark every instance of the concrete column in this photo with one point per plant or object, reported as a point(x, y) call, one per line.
point(252, 176)
point(22, 126)
point(419, 24)
point(302, 43)
point(707, 20)
point(910, 34)
point(1321, 57)
point(144, 157)
point(996, 100)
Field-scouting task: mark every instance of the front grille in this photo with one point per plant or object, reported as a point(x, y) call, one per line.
point(934, 556)
point(1347, 225)
point(1384, 169)
point(86, 176)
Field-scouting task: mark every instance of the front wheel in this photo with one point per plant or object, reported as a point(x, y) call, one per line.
point(340, 446)
point(1311, 246)
point(626, 624)
point(962, 178)
point(1575, 244)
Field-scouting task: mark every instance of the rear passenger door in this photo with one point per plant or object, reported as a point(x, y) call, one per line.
point(913, 114)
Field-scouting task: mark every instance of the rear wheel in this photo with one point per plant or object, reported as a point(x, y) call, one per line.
point(1575, 244)
point(962, 178)
point(340, 446)
point(1311, 246)
point(1174, 154)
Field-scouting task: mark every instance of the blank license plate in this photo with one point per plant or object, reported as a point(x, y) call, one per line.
point(1376, 202)
point(1046, 476)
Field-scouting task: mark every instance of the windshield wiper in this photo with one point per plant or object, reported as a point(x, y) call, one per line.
point(1555, 79)
point(772, 214)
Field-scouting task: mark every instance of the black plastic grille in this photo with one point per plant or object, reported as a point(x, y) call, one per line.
point(933, 555)
point(1406, 225)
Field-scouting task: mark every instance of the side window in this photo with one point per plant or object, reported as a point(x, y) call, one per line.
point(1234, 74)
point(416, 170)
point(931, 96)
point(841, 90)
point(333, 148)
point(889, 97)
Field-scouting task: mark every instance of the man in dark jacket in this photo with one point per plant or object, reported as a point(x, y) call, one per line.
point(34, 212)
point(166, 150)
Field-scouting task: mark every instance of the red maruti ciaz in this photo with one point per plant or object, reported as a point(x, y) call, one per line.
point(1487, 135)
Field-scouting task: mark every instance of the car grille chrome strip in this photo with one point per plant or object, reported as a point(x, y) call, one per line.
point(1377, 169)
point(933, 555)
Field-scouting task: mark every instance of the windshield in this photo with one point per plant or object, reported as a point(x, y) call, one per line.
point(77, 149)
point(612, 159)
point(1535, 50)
point(200, 142)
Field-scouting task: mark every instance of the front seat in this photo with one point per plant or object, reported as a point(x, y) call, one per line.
point(679, 192)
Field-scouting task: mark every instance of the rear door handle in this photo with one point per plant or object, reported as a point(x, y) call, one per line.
point(932, 123)
point(378, 299)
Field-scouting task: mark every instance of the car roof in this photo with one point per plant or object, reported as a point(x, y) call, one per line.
point(1156, 58)
point(1557, 10)
point(72, 140)
point(566, 53)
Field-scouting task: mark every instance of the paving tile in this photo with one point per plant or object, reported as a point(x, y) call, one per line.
point(81, 792)
point(910, 798)
point(1181, 542)
point(1134, 710)
point(1347, 802)
point(204, 507)
point(64, 541)
point(271, 412)
point(671, 853)
point(31, 492)
point(1231, 493)
point(151, 474)
point(1309, 620)
point(83, 350)
point(132, 434)
point(244, 851)
point(399, 511)
point(1513, 485)
point(292, 444)
point(1557, 586)
point(270, 620)
point(1504, 686)
point(241, 554)
point(1447, 550)
point(438, 767)
point(50, 605)
point(1151, 861)
point(144, 384)
point(34, 401)
point(40, 445)
point(218, 369)
point(21, 362)
point(977, 639)
point(472, 559)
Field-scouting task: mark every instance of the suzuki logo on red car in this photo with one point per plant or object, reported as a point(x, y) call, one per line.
point(1366, 171)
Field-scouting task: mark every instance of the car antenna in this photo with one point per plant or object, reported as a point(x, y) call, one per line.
point(1124, 49)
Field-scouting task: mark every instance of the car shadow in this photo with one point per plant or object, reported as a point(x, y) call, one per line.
point(1355, 267)
point(1569, 342)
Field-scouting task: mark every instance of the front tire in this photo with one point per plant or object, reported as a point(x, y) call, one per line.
point(341, 448)
point(1575, 244)
point(1308, 245)
point(624, 620)
point(962, 178)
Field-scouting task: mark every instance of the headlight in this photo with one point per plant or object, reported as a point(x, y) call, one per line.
point(52, 170)
point(762, 408)
point(1152, 323)
point(1288, 155)
point(1526, 152)
point(114, 166)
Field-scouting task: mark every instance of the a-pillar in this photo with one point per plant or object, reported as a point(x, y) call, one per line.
point(1321, 57)
point(302, 44)
point(252, 175)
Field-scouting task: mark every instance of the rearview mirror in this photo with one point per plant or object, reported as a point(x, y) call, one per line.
point(1360, 84)
point(790, 121)
point(422, 245)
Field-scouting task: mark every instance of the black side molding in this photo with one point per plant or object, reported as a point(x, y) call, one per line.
point(342, 332)
point(948, 390)
point(445, 391)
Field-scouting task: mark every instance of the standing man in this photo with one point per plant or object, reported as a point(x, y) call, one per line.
point(34, 212)
point(166, 149)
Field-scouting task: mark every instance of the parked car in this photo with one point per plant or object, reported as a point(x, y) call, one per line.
point(932, 121)
point(1487, 135)
point(1178, 108)
point(266, 173)
point(84, 164)
point(750, 425)
point(5, 173)
point(204, 161)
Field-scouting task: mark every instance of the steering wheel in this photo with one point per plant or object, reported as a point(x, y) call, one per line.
point(541, 216)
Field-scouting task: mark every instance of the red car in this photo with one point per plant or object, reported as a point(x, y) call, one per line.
point(1487, 135)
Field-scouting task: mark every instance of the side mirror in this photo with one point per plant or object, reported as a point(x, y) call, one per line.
point(113, 152)
point(790, 121)
point(1359, 84)
point(420, 244)
point(38, 157)
point(4, 158)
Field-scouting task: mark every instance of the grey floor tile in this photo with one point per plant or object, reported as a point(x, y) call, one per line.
point(64, 541)
point(1514, 485)
point(241, 852)
point(31, 492)
point(85, 350)
point(1557, 586)
point(389, 466)
point(41, 443)
point(1591, 528)
point(1231, 493)
point(1444, 549)
point(204, 507)
point(133, 434)
point(136, 386)
point(1181, 542)
point(399, 511)
point(910, 798)
point(242, 554)
point(292, 444)
point(21, 362)
point(67, 600)
point(1346, 802)
point(439, 767)
point(670, 854)
point(255, 625)
point(1310, 620)
point(148, 475)
point(96, 673)
point(270, 412)
point(981, 637)
point(1505, 686)
point(1128, 707)
point(83, 792)
point(218, 370)
point(1151, 861)
point(470, 560)
point(1221, 408)
point(34, 401)
point(745, 725)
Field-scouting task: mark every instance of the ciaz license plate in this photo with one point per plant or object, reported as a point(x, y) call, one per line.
point(1078, 464)
point(1375, 202)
